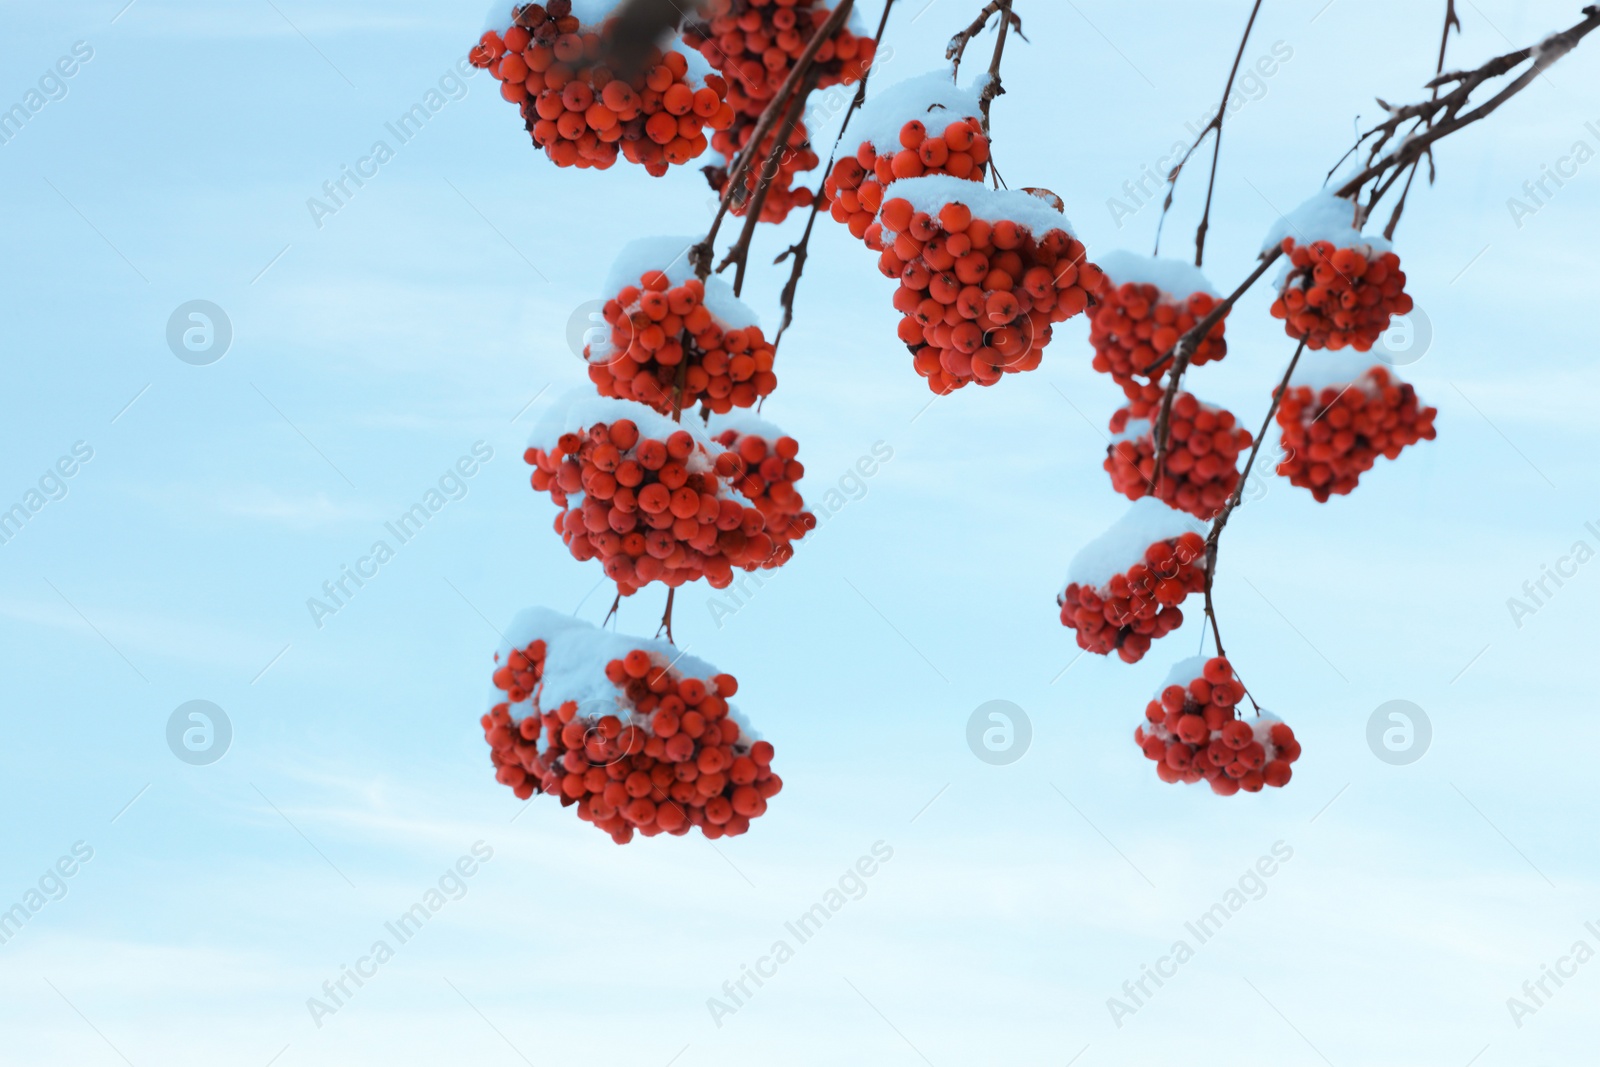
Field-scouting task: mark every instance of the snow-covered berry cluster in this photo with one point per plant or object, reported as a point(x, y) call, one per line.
point(983, 276)
point(676, 341)
point(1335, 297)
point(1124, 587)
point(1201, 468)
point(1193, 731)
point(645, 496)
point(635, 735)
point(921, 126)
point(1339, 418)
point(755, 45)
point(1142, 307)
point(548, 62)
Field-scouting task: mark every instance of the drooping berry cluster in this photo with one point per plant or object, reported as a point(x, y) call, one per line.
point(670, 351)
point(652, 507)
point(1336, 296)
point(1201, 468)
point(1193, 732)
point(762, 465)
point(755, 45)
point(944, 136)
point(1138, 320)
point(983, 276)
point(580, 113)
point(1123, 589)
point(1334, 432)
point(782, 195)
point(644, 741)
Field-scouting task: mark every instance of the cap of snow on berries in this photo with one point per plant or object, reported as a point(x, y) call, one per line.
point(634, 734)
point(1340, 287)
point(1124, 587)
point(1193, 732)
point(650, 498)
point(674, 341)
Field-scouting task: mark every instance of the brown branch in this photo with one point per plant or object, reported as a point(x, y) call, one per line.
point(1213, 539)
point(701, 254)
point(666, 617)
point(958, 44)
point(1216, 144)
point(1189, 343)
point(739, 254)
point(1450, 19)
point(992, 88)
point(1443, 114)
point(1214, 124)
point(800, 251)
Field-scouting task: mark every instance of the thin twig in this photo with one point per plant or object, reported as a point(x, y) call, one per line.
point(1216, 150)
point(1214, 538)
point(703, 253)
point(666, 617)
point(1450, 19)
point(958, 44)
point(992, 87)
point(739, 254)
point(1214, 124)
point(800, 251)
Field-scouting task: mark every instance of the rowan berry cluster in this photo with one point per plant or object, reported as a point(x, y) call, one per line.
point(764, 468)
point(1333, 296)
point(1333, 434)
point(1135, 324)
point(855, 187)
point(1193, 732)
point(669, 351)
point(979, 292)
point(1201, 468)
point(651, 508)
point(1139, 605)
point(580, 113)
point(755, 45)
point(782, 196)
point(663, 754)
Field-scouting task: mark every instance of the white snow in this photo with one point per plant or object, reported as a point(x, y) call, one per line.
point(1185, 671)
point(1334, 369)
point(579, 409)
point(670, 256)
point(1146, 522)
point(744, 423)
point(576, 655)
point(1325, 217)
point(931, 192)
point(1176, 277)
point(933, 98)
point(1135, 429)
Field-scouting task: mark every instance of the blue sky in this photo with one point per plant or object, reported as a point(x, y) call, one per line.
point(370, 352)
